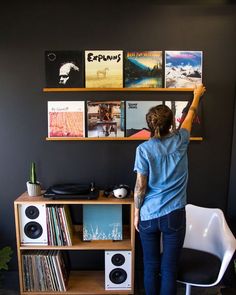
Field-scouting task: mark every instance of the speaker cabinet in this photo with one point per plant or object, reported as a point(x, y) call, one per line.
point(33, 224)
point(118, 270)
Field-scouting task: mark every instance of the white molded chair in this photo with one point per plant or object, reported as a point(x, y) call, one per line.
point(209, 246)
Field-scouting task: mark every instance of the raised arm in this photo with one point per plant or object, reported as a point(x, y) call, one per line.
point(187, 123)
point(139, 193)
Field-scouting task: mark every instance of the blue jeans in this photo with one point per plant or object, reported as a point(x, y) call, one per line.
point(171, 228)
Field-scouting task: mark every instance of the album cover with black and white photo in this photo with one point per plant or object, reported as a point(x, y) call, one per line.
point(64, 69)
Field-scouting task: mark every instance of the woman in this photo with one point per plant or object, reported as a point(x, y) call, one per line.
point(160, 195)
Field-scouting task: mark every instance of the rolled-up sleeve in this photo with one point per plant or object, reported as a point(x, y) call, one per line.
point(141, 163)
point(185, 137)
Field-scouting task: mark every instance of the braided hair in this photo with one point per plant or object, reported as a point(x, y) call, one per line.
point(159, 120)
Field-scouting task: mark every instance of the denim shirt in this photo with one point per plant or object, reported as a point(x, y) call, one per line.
point(165, 163)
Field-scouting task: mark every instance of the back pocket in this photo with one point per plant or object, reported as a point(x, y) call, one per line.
point(145, 225)
point(177, 219)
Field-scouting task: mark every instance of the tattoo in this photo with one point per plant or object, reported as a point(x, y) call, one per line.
point(139, 190)
point(138, 201)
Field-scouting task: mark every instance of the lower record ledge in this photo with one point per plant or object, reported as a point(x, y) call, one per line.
point(107, 138)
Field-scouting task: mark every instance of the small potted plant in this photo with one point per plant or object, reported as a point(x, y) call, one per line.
point(33, 186)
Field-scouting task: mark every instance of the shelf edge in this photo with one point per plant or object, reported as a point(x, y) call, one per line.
point(118, 89)
point(107, 139)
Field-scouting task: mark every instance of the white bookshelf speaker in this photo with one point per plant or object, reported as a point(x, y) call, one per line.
point(33, 224)
point(118, 270)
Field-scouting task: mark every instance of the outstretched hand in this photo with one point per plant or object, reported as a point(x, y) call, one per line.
point(199, 90)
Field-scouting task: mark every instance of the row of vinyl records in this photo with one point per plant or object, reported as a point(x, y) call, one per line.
point(59, 225)
point(45, 270)
point(118, 68)
point(114, 118)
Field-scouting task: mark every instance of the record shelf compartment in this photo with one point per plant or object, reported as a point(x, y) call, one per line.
point(81, 281)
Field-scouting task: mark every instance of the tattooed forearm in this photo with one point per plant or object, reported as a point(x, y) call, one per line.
point(138, 201)
point(139, 190)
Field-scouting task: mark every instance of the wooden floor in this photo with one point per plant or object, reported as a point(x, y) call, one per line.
point(181, 291)
point(10, 287)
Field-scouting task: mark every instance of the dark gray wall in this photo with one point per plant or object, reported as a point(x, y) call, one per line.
point(27, 30)
point(232, 185)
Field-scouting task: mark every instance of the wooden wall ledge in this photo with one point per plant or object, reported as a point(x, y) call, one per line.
point(117, 89)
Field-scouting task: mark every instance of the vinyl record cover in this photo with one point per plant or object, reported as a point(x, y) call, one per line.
point(136, 126)
point(63, 69)
point(103, 68)
point(105, 118)
point(66, 119)
point(102, 222)
point(183, 69)
point(180, 109)
point(143, 69)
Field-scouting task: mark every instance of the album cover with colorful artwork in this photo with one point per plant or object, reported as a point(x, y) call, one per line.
point(143, 69)
point(183, 69)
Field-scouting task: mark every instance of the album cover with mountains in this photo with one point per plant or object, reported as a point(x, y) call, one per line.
point(143, 69)
point(183, 69)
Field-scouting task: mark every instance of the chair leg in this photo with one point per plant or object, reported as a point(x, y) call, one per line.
point(188, 289)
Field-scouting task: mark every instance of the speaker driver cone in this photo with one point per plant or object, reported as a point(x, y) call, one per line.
point(33, 230)
point(118, 259)
point(118, 276)
point(32, 212)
